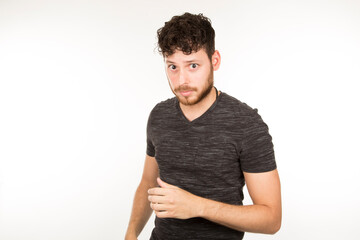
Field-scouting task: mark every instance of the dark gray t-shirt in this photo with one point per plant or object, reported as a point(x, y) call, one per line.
point(207, 157)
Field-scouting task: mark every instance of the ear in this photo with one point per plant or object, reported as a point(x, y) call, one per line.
point(216, 60)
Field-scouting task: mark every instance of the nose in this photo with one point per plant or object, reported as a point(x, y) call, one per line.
point(183, 79)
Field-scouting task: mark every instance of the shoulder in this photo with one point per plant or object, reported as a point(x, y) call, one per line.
point(239, 108)
point(164, 106)
point(162, 110)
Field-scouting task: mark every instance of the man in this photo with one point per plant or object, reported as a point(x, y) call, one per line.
point(202, 147)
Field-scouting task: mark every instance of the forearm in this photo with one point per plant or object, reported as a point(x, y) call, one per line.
point(141, 211)
point(250, 218)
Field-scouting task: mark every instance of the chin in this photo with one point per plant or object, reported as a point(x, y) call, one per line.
point(188, 101)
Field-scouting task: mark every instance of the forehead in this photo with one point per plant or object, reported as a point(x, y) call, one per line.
point(178, 56)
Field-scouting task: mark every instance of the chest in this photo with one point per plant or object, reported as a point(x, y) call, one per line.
point(204, 155)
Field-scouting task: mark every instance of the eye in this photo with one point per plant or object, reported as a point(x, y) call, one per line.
point(193, 65)
point(172, 67)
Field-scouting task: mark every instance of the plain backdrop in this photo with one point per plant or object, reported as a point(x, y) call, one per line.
point(78, 80)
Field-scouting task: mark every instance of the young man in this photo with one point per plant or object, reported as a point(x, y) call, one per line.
point(202, 147)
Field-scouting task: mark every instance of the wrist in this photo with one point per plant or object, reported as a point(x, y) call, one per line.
point(200, 206)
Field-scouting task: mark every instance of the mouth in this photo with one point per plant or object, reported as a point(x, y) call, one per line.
point(185, 93)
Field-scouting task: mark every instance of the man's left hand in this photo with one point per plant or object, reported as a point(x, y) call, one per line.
point(169, 201)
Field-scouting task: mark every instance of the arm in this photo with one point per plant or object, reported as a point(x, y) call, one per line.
point(264, 216)
point(141, 211)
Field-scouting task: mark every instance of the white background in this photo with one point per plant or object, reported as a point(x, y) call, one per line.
point(79, 78)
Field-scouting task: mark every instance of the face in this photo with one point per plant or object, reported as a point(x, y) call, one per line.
point(190, 76)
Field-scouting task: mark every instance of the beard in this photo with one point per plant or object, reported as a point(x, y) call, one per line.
point(192, 100)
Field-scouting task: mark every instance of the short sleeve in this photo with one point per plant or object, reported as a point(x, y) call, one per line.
point(257, 150)
point(150, 149)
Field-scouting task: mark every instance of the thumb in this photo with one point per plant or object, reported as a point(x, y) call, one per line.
point(164, 184)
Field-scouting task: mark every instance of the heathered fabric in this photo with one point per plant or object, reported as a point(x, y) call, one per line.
point(207, 157)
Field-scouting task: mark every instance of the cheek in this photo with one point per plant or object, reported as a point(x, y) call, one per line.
point(172, 79)
point(198, 78)
point(172, 82)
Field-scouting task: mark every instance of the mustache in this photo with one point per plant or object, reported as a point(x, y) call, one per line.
point(184, 88)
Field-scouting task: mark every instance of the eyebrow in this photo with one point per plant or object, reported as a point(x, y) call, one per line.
point(188, 61)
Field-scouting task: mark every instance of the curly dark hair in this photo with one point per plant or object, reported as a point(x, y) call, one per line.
point(188, 33)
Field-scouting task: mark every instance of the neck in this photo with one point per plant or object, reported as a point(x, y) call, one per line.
point(192, 112)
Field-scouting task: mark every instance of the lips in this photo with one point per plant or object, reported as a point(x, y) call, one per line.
point(185, 93)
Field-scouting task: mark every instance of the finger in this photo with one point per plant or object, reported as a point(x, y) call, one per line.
point(157, 198)
point(158, 207)
point(161, 214)
point(157, 191)
point(164, 184)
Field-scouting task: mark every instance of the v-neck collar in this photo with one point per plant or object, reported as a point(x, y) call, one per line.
point(202, 116)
